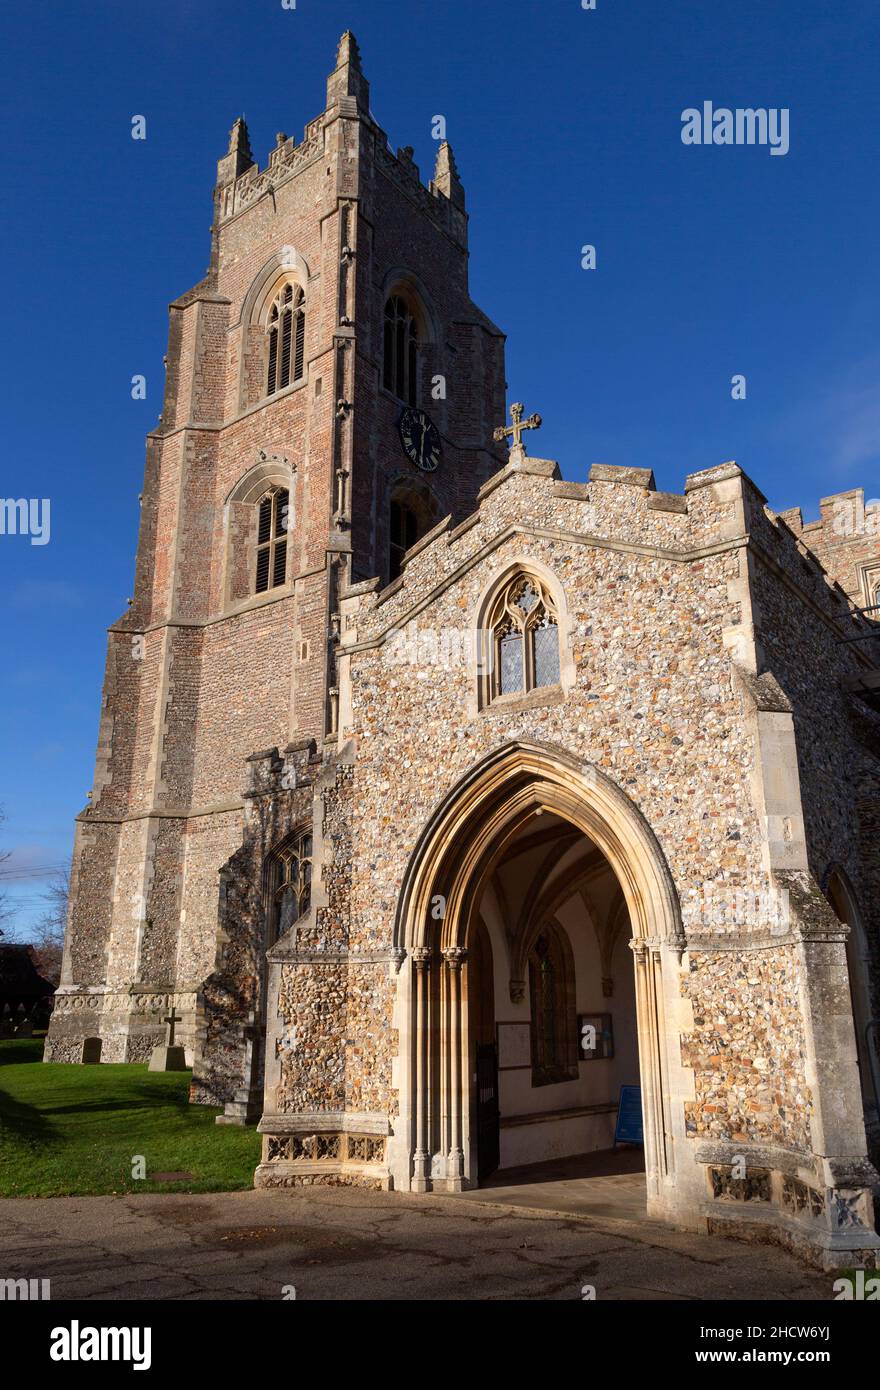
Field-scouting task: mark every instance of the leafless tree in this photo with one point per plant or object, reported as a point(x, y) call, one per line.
point(48, 940)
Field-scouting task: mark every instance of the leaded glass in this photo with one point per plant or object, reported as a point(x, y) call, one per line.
point(524, 622)
point(511, 653)
point(546, 640)
point(548, 1012)
point(294, 891)
point(527, 598)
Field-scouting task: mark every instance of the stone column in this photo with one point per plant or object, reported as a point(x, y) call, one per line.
point(454, 958)
point(421, 958)
point(652, 1099)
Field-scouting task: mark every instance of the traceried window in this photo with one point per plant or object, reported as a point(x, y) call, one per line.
point(287, 335)
point(551, 1023)
point(401, 361)
point(292, 893)
point(272, 523)
point(524, 634)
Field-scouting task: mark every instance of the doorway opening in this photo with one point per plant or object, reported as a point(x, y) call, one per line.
point(539, 924)
point(551, 1010)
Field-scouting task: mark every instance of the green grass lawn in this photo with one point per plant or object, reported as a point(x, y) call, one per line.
point(74, 1130)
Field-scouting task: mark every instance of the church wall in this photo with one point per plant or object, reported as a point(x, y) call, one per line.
point(846, 539)
point(646, 633)
point(659, 631)
point(466, 350)
point(242, 710)
point(813, 666)
point(838, 748)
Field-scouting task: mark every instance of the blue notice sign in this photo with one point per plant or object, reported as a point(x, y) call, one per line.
point(629, 1129)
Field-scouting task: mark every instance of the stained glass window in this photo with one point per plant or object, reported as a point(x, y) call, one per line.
point(293, 890)
point(551, 1026)
point(511, 654)
point(525, 632)
point(546, 640)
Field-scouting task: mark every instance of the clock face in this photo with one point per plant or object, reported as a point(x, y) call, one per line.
point(420, 438)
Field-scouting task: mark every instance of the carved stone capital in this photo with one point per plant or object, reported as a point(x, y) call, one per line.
point(421, 956)
point(455, 956)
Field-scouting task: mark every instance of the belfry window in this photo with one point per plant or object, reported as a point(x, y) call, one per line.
point(404, 533)
point(401, 360)
point(272, 524)
point(293, 884)
point(412, 512)
point(287, 335)
point(524, 638)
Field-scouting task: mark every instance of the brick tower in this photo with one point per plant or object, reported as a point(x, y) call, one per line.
point(331, 394)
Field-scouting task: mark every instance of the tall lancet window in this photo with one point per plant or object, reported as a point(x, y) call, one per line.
point(524, 638)
point(293, 884)
point(287, 337)
point(401, 365)
point(553, 1023)
point(272, 525)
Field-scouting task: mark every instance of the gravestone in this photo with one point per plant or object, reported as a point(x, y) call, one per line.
point(167, 1057)
point(91, 1051)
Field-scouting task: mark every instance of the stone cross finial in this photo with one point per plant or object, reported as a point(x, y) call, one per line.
point(516, 429)
point(172, 1019)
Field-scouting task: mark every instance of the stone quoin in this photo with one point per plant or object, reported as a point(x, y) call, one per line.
point(391, 886)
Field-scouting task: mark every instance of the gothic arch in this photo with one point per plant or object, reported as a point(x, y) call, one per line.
point(526, 566)
point(450, 864)
point(506, 788)
point(285, 268)
point(415, 496)
point(288, 866)
point(252, 484)
point(406, 283)
point(240, 525)
point(282, 266)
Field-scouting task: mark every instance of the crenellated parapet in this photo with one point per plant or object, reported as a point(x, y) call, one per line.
point(846, 539)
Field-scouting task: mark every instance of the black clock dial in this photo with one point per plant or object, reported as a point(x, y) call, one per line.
point(420, 438)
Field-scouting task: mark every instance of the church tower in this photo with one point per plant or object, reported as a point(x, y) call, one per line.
point(330, 397)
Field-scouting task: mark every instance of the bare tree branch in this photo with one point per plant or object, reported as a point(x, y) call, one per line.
point(48, 941)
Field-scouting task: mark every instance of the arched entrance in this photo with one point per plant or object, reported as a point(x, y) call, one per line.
point(452, 926)
point(549, 1008)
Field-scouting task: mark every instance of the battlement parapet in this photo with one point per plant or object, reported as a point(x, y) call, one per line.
point(845, 539)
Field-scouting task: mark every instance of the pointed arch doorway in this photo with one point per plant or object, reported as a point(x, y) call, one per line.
point(454, 926)
point(551, 1033)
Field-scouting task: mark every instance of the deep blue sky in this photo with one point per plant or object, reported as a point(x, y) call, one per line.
point(566, 127)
